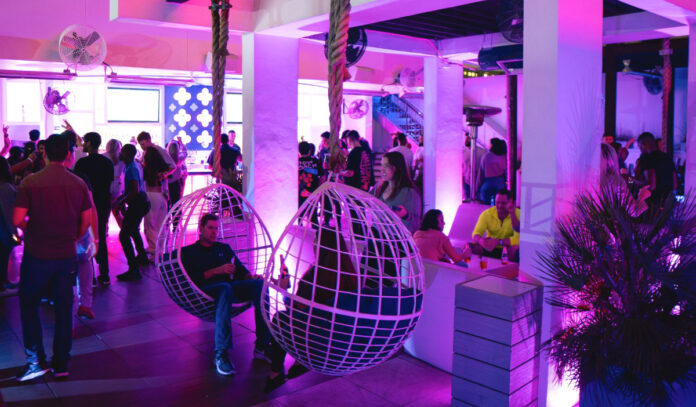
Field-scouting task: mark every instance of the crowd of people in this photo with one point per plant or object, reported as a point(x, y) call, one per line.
point(66, 174)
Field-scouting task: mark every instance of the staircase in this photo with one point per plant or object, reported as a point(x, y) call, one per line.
point(406, 117)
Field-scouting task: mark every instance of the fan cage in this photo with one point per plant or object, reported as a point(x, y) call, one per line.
point(240, 228)
point(370, 295)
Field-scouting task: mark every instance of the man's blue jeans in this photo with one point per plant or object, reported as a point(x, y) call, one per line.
point(55, 277)
point(228, 293)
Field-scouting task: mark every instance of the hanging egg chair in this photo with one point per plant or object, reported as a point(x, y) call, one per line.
point(240, 228)
point(355, 282)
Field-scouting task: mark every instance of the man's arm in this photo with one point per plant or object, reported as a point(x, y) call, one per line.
point(19, 215)
point(85, 221)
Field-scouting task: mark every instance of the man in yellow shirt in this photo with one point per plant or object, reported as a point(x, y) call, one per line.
point(498, 227)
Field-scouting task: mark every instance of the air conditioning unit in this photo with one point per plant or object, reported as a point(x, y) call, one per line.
point(508, 58)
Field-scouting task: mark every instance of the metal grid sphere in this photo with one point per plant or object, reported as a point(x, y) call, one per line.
point(356, 282)
point(240, 228)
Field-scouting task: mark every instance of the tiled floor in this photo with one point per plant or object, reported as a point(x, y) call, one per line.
point(142, 350)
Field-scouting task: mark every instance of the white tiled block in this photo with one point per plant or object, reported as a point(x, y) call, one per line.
point(503, 380)
point(499, 297)
point(478, 395)
point(494, 353)
point(496, 329)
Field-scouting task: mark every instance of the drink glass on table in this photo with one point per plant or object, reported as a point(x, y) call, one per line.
point(483, 262)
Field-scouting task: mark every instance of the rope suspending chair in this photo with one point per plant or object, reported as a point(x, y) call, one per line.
point(240, 228)
point(356, 282)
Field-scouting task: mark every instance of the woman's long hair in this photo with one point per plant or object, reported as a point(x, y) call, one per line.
point(609, 166)
point(113, 149)
point(173, 150)
point(429, 221)
point(401, 179)
point(153, 165)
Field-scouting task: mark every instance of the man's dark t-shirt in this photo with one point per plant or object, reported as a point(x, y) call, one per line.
point(359, 163)
point(309, 170)
point(228, 156)
point(664, 173)
point(100, 172)
point(197, 259)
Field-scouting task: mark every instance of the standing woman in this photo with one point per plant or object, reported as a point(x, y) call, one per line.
point(398, 191)
point(7, 199)
point(113, 149)
point(493, 171)
point(154, 173)
point(176, 179)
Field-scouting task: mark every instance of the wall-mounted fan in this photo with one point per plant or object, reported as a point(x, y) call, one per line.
point(355, 48)
point(510, 20)
point(55, 103)
point(358, 108)
point(404, 81)
point(81, 47)
point(652, 79)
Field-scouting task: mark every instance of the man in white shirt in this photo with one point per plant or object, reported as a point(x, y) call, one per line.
point(402, 148)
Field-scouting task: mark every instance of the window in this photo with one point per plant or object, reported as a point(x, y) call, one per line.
point(233, 107)
point(132, 105)
point(24, 101)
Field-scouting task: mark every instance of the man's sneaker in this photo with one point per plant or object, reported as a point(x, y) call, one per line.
point(85, 312)
point(223, 364)
point(262, 354)
point(59, 369)
point(32, 371)
point(130, 275)
point(103, 280)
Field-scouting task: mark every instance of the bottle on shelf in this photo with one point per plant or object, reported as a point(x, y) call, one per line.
point(504, 256)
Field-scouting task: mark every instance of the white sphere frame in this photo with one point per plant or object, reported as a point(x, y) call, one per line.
point(369, 296)
point(240, 227)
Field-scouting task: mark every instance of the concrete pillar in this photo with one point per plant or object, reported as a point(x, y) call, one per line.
point(562, 131)
point(269, 88)
point(690, 175)
point(444, 138)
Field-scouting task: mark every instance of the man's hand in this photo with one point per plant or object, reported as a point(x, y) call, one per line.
point(510, 207)
point(488, 243)
point(225, 269)
point(4, 131)
point(67, 125)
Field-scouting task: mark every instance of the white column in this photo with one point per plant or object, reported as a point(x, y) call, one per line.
point(561, 135)
point(269, 68)
point(690, 175)
point(443, 140)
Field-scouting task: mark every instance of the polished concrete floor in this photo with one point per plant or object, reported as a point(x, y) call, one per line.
point(142, 350)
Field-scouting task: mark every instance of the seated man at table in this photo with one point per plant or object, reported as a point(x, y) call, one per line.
point(498, 227)
point(216, 270)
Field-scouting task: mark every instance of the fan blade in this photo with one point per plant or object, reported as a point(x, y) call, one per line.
point(91, 39)
point(70, 42)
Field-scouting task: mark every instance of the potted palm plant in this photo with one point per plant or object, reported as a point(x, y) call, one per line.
point(627, 286)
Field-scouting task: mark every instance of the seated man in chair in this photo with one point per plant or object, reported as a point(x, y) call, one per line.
point(216, 270)
point(501, 226)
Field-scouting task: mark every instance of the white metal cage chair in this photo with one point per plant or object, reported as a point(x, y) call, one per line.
point(240, 228)
point(356, 282)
